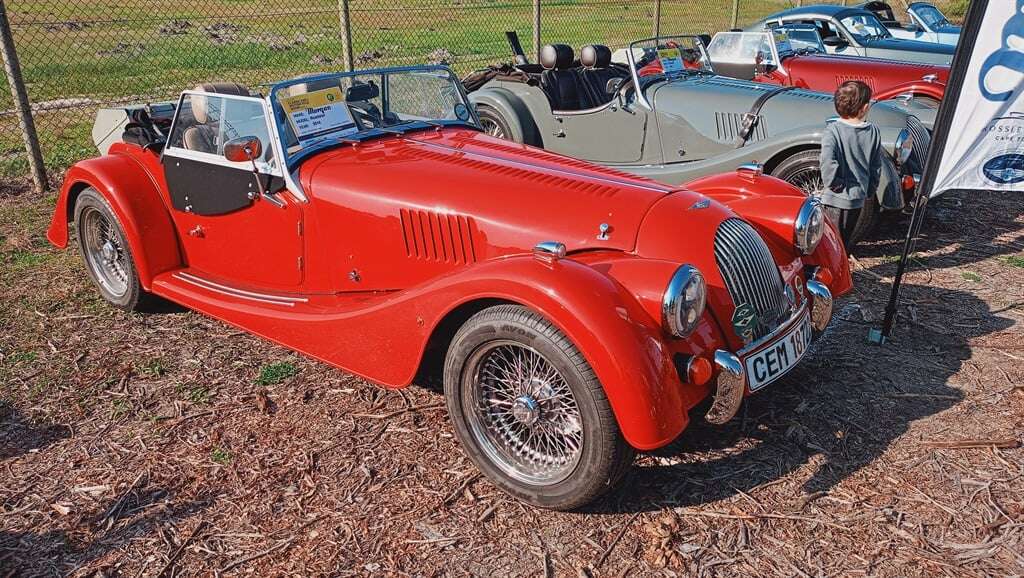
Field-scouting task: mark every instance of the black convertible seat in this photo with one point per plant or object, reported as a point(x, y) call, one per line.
point(560, 81)
point(597, 71)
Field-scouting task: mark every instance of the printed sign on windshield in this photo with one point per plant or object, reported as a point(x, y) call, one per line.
point(671, 61)
point(316, 113)
point(782, 40)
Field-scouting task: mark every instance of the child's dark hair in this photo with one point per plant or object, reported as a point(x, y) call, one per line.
point(850, 97)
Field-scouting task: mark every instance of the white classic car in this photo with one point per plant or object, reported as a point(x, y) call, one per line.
point(926, 23)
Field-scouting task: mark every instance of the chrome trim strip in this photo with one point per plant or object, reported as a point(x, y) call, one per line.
point(785, 326)
point(240, 293)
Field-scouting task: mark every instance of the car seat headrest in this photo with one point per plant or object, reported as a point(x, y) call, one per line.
point(596, 56)
point(557, 56)
point(200, 104)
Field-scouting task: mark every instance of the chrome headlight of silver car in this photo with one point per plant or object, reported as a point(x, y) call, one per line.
point(904, 146)
point(809, 226)
point(684, 301)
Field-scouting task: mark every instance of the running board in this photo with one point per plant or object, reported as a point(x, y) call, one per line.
point(237, 293)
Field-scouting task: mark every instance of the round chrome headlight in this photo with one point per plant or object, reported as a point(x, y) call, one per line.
point(809, 226)
point(683, 304)
point(904, 146)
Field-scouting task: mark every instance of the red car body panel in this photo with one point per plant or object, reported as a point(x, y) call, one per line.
point(402, 232)
point(887, 78)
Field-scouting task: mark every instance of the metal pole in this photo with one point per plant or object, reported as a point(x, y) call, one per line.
point(657, 18)
point(536, 29)
point(735, 13)
point(28, 126)
point(346, 35)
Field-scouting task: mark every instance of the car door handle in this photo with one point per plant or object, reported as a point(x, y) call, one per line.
point(559, 133)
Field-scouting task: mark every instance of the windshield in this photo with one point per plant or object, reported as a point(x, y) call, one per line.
point(668, 57)
point(931, 16)
point(746, 49)
point(316, 112)
point(798, 38)
point(865, 26)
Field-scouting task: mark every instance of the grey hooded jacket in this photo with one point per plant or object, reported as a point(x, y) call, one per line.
point(851, 163)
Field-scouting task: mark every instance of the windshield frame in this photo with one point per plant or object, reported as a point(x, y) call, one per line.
point(634, 73)
point(280, 120)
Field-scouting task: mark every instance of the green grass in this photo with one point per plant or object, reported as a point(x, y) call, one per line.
point(101, 51)
point(220, 456)
point(196, 394)
point(1014, 260)
point(276, 373)
point(970, 276)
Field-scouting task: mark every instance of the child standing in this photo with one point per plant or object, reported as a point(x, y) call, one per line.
point(851, 157)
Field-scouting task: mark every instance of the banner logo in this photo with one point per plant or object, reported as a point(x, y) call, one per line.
point(1005, 169)
point(744, 320)
point(1009, 55)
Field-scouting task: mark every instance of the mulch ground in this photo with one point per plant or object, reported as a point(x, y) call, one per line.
point(170, 444)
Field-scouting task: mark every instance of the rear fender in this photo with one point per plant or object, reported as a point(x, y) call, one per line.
point(513, 109)
point(135, 199)
point(611, 329)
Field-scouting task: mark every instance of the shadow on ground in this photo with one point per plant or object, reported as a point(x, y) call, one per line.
point(838, 411)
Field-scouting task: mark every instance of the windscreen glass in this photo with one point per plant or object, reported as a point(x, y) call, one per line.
point(669, 57)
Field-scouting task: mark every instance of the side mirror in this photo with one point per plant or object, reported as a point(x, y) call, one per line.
point(613, 85)
point(242, 149)
point(834, 42)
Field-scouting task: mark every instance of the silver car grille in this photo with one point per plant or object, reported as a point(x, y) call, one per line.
point(750, 274)
point(922, 141)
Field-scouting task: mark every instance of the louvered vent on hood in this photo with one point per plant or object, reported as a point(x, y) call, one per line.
point(729, 124)
point(444, 238)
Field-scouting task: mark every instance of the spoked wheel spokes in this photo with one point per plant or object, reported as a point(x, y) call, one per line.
point(492, 127)
point(105, 252)
point(522, 412)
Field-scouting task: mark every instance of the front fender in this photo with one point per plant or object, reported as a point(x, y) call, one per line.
point(614, 333)
point(135, 199)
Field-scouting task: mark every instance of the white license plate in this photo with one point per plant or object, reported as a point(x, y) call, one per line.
point(779, 356)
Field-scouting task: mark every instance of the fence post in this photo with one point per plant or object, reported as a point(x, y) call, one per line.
point(735, 13)
point(657, 18)
point(28, 126)
point(346, 34)
point(536, 29)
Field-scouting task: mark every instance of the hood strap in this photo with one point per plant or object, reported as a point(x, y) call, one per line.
point(752, 117)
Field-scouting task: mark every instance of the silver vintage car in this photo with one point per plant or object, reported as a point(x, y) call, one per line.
point(858, 32)
point(666, 115)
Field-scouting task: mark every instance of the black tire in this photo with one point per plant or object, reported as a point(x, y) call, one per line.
point(602, 456)
point(497, 125)
point(803, 170)
point(114, 273)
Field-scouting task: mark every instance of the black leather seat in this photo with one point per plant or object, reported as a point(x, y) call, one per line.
point(597, 71)
point(560, 82)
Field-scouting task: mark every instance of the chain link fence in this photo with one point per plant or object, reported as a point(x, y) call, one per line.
point(78, 55)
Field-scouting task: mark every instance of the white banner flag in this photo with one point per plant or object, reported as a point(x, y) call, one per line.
point(985, 141)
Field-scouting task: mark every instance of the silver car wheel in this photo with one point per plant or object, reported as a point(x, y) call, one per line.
point(522, 413)
point(105, 252)
point(807, 179)
point(492, 128)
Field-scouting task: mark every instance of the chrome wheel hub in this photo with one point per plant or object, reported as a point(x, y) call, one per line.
point(104, 252)
point(522, 413)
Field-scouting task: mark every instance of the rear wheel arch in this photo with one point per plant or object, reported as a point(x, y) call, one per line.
point(513, 111)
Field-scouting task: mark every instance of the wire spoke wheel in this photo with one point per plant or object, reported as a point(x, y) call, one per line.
point(105, 251)
point(808, 179)
point(522, 412)
point(492, 127)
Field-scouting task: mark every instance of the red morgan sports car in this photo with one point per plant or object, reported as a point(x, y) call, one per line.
point(574, 313)
point(793, 55)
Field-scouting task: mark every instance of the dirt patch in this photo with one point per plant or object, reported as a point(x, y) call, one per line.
point(171, 443)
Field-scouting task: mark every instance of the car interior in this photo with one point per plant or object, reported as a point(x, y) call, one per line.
point(572, 84)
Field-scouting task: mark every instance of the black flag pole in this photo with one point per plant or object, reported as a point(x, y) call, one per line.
point(940, 134)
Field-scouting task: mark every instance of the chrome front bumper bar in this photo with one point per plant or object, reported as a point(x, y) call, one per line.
point(732, 379)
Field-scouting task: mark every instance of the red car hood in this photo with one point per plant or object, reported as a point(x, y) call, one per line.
point(825, 73)
point(517, 195)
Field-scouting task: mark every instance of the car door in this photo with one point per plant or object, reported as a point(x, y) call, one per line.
point(613, 133)
point(229, 231)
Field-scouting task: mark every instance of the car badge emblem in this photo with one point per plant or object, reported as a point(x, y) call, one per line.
point(799, 286)
point(744, 320)
point(603, 230)
point(701, 204)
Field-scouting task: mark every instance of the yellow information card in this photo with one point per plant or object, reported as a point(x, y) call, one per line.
point(317, 112)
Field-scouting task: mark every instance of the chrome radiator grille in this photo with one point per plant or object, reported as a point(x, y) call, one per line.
point(750, 274)
point(922, 141)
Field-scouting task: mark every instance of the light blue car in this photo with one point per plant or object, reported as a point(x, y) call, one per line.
point(926, 23)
